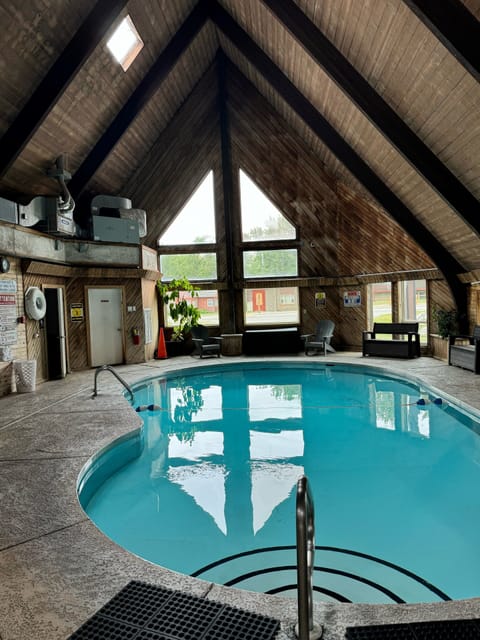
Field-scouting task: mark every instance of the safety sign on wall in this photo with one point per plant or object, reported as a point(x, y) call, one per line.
point(352, 298)
point(8, 285)
point(76, 312)
point(8, 318)
point(320, 299)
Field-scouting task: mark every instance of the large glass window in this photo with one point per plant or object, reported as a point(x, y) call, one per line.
point(379, 302)
point(206, 301)
point(277, 305)
point(195, 222)
point(194, 266)
point(413, 305)
point(270, 263)
point(261, 219)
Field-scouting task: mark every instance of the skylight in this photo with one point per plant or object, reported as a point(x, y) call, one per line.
point(125, 43)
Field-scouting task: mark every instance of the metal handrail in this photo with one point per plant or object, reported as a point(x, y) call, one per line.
point(107, 367)
point(305, 629)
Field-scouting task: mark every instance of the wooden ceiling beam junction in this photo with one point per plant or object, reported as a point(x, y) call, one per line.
point(363, 173)
point(456, 28)
point(53, 85)
point(139, 98)
point(378, 111)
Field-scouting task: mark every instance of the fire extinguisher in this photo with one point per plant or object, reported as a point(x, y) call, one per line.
point(136, 336)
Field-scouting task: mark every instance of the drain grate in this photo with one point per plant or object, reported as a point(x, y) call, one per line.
point(434, 630)
point(142, 611)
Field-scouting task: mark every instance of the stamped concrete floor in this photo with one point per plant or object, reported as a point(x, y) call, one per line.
point(57, 569)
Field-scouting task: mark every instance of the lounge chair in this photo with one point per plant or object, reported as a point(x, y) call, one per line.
point(204, 344)
point(320, 340)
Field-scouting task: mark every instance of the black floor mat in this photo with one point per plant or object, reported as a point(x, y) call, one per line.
point(434, 630)
point(146, 612)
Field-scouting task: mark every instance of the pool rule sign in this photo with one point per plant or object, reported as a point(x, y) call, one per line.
point(8, 319)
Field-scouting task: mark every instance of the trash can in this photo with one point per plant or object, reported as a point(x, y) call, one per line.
point(25, 373)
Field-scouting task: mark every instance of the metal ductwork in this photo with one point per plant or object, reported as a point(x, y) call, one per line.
point(52, 214)
point(114, 219)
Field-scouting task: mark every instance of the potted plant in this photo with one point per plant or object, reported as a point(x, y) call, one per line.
point(447, 322)
point(183, 312)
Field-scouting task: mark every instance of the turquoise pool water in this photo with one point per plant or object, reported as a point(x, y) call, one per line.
point(207, 487)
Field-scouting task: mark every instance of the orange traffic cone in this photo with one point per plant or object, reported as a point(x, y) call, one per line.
point(162, 349)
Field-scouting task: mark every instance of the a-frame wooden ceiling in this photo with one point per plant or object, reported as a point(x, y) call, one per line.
point(385, 92)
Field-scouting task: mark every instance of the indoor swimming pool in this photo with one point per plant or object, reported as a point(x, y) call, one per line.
point(207, 486)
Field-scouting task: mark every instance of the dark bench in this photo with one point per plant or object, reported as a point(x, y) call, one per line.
point(270, 341)
point(464, 355)
point(404, 341)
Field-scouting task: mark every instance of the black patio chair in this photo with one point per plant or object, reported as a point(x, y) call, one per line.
point(205, 345)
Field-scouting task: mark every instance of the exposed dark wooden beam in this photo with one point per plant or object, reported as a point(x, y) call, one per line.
point(456, 28)
point(449, 266)
point(139, 98)
point(45, 96)
point(380, 114)
point(227, 179)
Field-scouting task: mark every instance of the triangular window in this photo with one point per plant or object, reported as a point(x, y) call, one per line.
point(195, 222)
point(261, 219)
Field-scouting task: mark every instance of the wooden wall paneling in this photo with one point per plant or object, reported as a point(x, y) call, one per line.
point(77, 330)
point(30, 43)
point(383, 159)
point(476, 303)
point(473, 306)
point(473, 6)
point(413, 72)
point(377, 110)
point(343, 150)
point(350, 235)
point(371, 242)
point(353, 320)
point(150, 301)
point(452, 24)
point(440, 298)
point(178, 161)
point(133, 320)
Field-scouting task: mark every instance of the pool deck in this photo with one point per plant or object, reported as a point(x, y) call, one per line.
point(57, 569)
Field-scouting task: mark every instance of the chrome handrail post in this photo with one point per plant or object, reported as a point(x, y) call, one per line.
point(305, 527)
point(107, 367)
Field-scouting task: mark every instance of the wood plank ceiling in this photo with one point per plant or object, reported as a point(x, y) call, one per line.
point(413, 133)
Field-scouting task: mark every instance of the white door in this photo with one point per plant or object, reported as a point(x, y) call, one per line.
point(106, 326)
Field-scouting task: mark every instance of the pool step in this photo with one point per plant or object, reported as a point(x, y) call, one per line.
point(340, 575)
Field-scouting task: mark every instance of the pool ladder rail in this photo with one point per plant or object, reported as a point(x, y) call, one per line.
point(107, 367)
point(306, 629)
